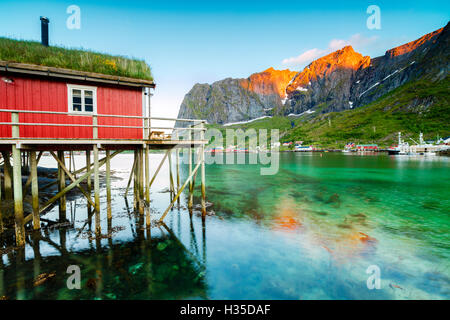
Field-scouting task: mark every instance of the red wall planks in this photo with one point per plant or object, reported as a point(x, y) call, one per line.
point(47, 95)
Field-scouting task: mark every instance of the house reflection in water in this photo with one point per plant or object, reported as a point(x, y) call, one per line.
point(152, 263)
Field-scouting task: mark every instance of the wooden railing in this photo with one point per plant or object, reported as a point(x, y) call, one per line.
point(149, 132)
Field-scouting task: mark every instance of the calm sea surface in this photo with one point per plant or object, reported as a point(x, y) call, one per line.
point(309, 232)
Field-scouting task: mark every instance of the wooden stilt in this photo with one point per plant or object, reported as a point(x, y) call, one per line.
point(108, 183)
point(141, 173)
point(202, 160)
point(135, 180)
point(18, 201)
point(17, 184)
point(98, 229)
point(131, 178)
point(141, 181)
point(7, 172)
point(34, 190)
point(147, 175)
point(70, 161)
point(28, 183)
point(178, 172)
point(61, 186)
point(73, 163)
point(172, 191)
point(191, 191)
point(88, 168)
point(191, 185)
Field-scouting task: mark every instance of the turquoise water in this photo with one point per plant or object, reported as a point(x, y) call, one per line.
point(308, 232)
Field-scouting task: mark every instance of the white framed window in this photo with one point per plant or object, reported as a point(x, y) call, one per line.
point(82, 99)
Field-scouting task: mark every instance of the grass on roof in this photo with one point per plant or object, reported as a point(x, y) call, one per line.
point(33, 52)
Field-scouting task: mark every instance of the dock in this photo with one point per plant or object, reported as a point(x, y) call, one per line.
point(22, 154)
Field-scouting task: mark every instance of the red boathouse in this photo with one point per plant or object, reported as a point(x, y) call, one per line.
point(56, 99)
point(47, 97)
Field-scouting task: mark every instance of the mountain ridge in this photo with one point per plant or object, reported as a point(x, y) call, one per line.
point(339, 81)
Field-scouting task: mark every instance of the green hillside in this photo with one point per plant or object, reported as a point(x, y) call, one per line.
point(419, 106)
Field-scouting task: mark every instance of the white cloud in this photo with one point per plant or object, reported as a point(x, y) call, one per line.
point(305, 57)
point(357, 41)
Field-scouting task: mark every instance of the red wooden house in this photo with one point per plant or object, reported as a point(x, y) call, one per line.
point(367, 147)
point(47, 96)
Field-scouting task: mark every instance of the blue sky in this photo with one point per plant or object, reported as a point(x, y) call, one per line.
point(186, 42)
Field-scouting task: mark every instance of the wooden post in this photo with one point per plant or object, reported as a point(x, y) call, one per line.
point(178, 172)
point(34, 191)
point(147, 154)
point(70, 161)
point(28, 183)
point(108, 183)
point(147, 174)
point(130, 179)
point(141, 180)
point(7, 172)
point(202, 159)
point(135, 180)
point(191, 185)
point(88, 167)
point(18, 201)
point(61, 186)
point(17, 183)
point(98, 229)
point(172, 193)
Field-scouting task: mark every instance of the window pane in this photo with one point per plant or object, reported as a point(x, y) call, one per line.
point(76, 100)
point(88, 101)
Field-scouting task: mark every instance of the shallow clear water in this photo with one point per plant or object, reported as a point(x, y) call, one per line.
point(309, 232)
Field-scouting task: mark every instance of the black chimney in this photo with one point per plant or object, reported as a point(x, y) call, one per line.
point(44, 31)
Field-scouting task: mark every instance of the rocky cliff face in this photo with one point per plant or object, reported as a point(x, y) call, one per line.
point(234, 100)
point(326, 81)
point(400, 65)
point(339, 81)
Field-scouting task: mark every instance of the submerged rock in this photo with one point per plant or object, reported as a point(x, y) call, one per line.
point(334, 198)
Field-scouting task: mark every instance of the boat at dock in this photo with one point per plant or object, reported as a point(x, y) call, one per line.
point(420, 148)
point(303, 148)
